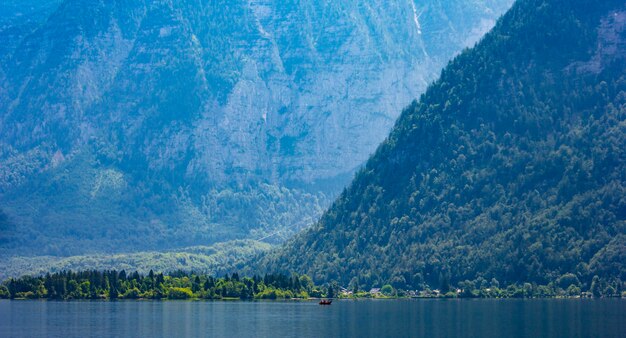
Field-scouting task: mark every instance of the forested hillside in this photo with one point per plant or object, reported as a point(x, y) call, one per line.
point(511, 168)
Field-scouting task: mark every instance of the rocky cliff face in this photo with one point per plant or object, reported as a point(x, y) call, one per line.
point(151, 124)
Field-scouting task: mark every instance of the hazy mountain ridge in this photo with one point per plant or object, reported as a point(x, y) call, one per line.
point(136, 125)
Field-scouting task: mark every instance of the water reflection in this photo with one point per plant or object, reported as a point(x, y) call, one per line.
point(363, 318)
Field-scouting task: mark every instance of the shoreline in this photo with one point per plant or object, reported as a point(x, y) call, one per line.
point(311, 300)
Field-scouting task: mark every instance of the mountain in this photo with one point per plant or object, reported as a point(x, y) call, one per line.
point(511, 167)
point(151, 125)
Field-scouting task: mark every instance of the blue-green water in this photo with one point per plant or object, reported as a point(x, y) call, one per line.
point(363, 318)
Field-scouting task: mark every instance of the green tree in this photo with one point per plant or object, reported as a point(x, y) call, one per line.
point(196, 284)
point(568, 279)
point(609, 291)
point(4, 292)
point(113, 294)
point(595, 288)
point(444, 282)
point(179, 293)
point(387, 290)
point(331, 292)
point(132, 293)
point(573, 290)
point(306, 282)
point(528, 290)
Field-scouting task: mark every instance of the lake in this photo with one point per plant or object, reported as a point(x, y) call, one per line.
point(345, 318)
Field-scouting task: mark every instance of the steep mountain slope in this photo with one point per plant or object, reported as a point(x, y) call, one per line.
point(511, 166)
point(143, 125)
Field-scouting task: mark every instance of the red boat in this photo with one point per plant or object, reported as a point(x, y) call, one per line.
point(326, 301)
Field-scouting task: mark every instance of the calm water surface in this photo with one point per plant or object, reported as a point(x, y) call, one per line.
point(348, 318)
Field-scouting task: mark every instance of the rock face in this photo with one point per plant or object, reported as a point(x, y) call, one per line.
point(152, 124)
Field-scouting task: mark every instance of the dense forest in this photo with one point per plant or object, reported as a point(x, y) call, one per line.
point(510, 168)
point(112, 284)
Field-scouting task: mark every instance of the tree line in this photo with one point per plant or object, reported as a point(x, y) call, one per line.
point(112, 284)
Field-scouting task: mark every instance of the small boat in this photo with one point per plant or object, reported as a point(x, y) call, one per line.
point(326, 301)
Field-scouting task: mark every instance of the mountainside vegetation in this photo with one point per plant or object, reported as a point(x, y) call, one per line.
point(510, 169)
point(217, 259)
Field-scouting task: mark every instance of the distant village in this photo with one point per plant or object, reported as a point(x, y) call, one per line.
point(378, 293)
point(511, 292)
